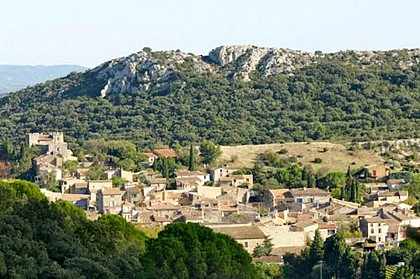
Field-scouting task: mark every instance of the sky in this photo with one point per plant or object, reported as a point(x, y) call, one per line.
point(89, 32)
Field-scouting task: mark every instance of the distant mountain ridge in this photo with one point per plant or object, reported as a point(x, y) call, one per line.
point(16, 77)
point(233, 95)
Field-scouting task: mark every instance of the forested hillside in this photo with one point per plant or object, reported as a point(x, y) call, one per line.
point(229, 97)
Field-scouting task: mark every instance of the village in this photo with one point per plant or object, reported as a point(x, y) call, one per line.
point(224, 199)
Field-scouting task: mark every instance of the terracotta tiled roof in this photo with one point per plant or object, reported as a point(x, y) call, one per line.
point(326, 226)
point(190, 173)
point(308, 192)
point(166, 153)
point(244, 232)
point(375, 220)
point(150, 155)
point(188, 180)
point(279, 193)
point(163, 206)
point(112, 191)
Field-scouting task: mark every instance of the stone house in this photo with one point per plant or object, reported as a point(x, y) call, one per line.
point(66, 183)
point(374, 172)
point(82, 173)
point(201, 176)
point(275, 197)
point(158, 183)
point(385, 197)
point(248, 236)
point(166, 153)
point(238, 180)
point(310, 195)
point(374, 228)
point(133, 194)
point(109, 200)
point(395, 184)
point(95, 185)
point(187, 183)
point(217, 173)
point(151, 157)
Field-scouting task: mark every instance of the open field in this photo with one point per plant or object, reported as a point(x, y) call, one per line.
point(336, 158)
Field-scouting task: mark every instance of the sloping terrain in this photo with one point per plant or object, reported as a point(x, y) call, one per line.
point(235, 95)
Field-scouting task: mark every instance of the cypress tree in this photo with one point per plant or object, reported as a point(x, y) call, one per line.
point(191, 162)
point(316, 251)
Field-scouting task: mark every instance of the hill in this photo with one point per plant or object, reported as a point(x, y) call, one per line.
point(234, 95)
point(15, 77)
point(335, 157)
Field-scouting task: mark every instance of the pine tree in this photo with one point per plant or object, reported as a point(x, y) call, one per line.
point(374, 266)
point(353, 191)
point(316, 251)
point(334, 250)
point(191, 162)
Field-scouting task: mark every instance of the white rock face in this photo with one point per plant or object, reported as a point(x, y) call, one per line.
point(268, 61)
point(143, 70)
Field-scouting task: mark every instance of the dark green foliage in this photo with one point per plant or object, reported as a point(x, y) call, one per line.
point(56, 240)
point(191, 159)
point(330, 99)
point(166, 166)
point(122, 154)
point(210, 152)
point(316, 252)
point(374, 266)
point(334, 250)
point(413, 187)
point(404, 272)
point(193, 251)
point(269, 270)
point(264, 249)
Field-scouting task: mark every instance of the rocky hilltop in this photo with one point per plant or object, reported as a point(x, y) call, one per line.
point(145, 68)
point(233, 95)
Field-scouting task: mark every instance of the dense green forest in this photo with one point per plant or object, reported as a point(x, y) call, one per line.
point(330, 99)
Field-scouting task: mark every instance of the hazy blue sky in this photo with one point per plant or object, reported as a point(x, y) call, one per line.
point(88, 32)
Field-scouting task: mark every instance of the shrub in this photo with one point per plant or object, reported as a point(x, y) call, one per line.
point(283, 151)
point(318, 160)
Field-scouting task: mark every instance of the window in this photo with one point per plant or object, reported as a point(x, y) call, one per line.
point(379, 239)
point(372, 231)
point(299, 200)
point(379, 231)
point(246, 244)
point(374, 172)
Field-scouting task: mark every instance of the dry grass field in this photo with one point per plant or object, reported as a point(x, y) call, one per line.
point(336, 158)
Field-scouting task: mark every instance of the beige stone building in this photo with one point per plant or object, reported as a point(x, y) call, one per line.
point(374, 228)
point(217, 173)
point(248, 236)
point(109, 201)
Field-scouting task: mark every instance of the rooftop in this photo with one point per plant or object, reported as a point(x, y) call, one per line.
point(166, 153)
point(111, 191)
point(308, 192)
point(244, 232)
point(189, 173)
